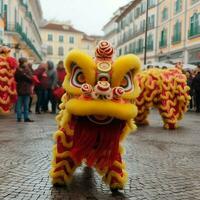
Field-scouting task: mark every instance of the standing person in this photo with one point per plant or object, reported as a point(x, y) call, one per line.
point(23, 79)
point(60, 73)
point(58, 93)
point(179, 65)
point(32, 88)
point(41, 87)
point(52, 84)
point(189, 83)
point(196, 87)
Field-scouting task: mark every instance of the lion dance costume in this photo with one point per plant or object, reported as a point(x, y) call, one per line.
point(165, 89)
point(8, 94)
point(97, 112)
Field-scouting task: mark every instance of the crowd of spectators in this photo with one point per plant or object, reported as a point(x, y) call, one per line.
point(44, 82)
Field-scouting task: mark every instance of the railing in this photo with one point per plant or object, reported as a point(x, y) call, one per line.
point(29, 15)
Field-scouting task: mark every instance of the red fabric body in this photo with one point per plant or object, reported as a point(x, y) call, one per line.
point(98, 144)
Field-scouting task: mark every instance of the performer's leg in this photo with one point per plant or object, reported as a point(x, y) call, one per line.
point(141, 118)
point(116, 175)
point(169, 117)
point(63, 164)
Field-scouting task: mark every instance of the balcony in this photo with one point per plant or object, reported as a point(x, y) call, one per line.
point(17, 29)
point(163, 43)
point(193, 33)
point(176, 39)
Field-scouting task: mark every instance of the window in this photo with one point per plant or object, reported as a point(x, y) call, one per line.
point(164, 14)
point(49, 50)
point(150, 42)
point(140, 46)
point(151, 3)
point(163, 41)
point(125, 50)
point(1, 7)
point(178, 6)
point(15, 15)
point(60, 51)
point(140, 50)
point(71, 40)
point(137, 12)
point(50, 37)
point(134, 47)
point(151, 21)
point(5, 16)
point(120, 52)
point(194, 25)
point(61, 38)
point(143, 7)
point(130, 48)
point(177, 33)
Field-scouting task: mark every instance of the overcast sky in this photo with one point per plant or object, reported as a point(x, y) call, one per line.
point(86, 15)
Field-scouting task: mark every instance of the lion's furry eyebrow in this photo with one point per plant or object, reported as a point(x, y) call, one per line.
point(84, 61)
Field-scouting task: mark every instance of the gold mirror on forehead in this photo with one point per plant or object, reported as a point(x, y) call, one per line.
point(104, 66)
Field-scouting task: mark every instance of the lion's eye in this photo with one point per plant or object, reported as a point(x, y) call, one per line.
point(127, 82)
point(77, 78)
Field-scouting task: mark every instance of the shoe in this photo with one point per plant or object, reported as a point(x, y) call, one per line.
point(19, 120)
point(38, 113)
point(30, 111)
point(28, 120)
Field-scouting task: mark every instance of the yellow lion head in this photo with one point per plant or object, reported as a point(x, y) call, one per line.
point(101, 89)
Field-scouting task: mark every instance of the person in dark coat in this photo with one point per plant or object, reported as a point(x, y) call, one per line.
point(23, 78)
point(196, 88)
point(189, 83)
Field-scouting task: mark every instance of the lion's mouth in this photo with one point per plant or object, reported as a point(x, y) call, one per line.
point(100, 119)
point(96, 139)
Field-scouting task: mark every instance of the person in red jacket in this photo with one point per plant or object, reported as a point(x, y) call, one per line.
point(40, 87)
point(60, 78)
point(60, 73)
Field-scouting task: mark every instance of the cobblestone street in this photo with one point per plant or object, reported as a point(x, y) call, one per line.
point(161, 164)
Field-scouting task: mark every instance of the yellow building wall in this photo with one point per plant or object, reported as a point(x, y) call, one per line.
point(78, 43)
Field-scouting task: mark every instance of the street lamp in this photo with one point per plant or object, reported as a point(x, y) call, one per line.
point(146, 30)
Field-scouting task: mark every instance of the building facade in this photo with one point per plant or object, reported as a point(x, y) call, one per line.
point(110, 28)
point(131, 30)
point(61, 38)
point(22, 19)
point(179, 31)
point(173, 30)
